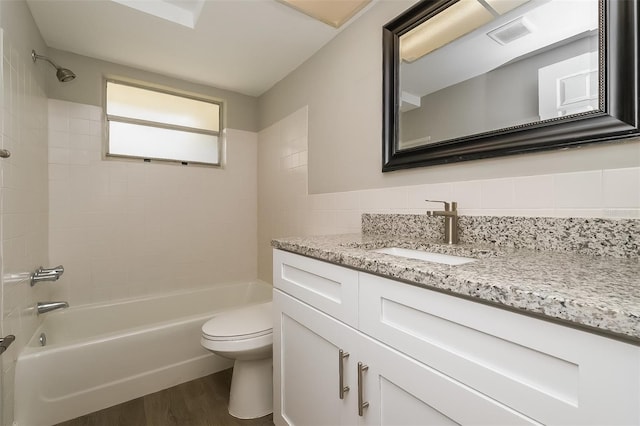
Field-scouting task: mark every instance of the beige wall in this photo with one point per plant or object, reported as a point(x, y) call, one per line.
point(87, 88)
point(23, 183)
point(342, 86)
point(130, 228)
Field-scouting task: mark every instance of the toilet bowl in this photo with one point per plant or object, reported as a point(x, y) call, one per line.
point(246, 336)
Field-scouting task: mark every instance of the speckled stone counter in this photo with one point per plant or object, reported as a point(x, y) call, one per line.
point(598, 292)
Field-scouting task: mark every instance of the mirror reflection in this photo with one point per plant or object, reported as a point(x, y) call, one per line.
point(485, 65)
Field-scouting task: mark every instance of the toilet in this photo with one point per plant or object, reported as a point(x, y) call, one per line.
point(246, 336)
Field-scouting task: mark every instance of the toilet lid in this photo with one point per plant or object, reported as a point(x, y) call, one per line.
point(245, 323)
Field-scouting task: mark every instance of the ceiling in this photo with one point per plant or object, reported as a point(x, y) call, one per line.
point(242, 45)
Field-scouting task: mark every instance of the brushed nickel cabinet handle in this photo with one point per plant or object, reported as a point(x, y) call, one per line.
point(342, 355)
point(5, 153)
point(361, 404)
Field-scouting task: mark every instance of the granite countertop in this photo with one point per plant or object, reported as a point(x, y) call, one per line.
point(596, 292)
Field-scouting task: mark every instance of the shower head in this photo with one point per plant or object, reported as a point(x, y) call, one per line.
point(64, 75)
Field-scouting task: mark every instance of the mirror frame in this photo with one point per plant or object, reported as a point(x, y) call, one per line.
point(618, 117)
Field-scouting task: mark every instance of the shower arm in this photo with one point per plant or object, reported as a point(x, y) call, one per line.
point(63, 74)
point(35, 56)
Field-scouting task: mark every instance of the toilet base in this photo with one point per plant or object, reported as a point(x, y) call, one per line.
point(251, 393)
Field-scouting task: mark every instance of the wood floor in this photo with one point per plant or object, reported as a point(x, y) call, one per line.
point(202, 402)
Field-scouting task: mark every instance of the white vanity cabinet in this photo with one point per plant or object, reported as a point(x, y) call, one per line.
point(396, 389)
point(434, 359)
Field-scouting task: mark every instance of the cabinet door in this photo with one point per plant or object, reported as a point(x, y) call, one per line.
point(306, 361)
point(402, 391)
point(548, 372)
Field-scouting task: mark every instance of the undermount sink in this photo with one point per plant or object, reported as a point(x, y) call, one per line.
point(428, 256)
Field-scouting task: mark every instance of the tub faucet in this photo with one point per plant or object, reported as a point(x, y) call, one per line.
point(44, 307)
point(450, 214)
point(46, 274)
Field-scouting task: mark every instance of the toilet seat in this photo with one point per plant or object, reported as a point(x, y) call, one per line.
point(240, 324)
point(237, 337)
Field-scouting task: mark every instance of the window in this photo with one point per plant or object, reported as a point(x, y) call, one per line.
point(151, 124)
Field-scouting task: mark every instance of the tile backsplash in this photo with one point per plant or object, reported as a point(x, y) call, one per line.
point(287, 209)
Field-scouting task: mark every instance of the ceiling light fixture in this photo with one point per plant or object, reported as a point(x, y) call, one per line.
point(457, 20)
point(452, 23)
point(331, 12)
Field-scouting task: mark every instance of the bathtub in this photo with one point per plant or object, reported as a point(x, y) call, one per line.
point(100, 355)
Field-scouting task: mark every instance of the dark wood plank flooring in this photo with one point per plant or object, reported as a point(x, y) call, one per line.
point(201, 402)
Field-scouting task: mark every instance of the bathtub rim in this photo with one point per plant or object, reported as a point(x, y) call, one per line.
point(33, 348)
point(125, 300)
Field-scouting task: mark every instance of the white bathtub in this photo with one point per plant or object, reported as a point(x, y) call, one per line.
point(97, 356)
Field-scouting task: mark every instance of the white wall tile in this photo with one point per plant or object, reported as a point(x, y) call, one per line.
point(621, 188)
point(82, 142)
point(497, 194)
point(384, 199)
point(74, 110)
point(59, 156)
point(533, 192)
point(81, 127)
point(59, 122)
point(128, 219)
point(23, 203)
point(467, 194)
point(576, 212)
point(622, 213)
point(581, 190)
point(58, 139)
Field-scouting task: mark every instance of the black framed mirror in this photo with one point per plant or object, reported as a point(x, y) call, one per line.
point(458, 84)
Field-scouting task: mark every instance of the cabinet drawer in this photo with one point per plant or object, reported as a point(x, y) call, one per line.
point(329, 288)
point(548, 372)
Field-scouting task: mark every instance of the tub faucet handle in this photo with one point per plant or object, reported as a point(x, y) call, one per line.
point(46, 274)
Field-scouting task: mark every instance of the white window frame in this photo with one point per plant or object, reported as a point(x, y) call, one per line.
point(128, 120)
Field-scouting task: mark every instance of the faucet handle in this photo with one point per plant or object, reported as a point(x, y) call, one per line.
point(46, 274)
point(56, 270)
point(448, 206)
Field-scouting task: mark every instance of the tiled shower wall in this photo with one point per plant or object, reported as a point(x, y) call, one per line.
point(129, 228)
point(285, 208)
point(23, 213)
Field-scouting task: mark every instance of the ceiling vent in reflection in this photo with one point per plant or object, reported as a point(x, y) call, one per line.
point(511, 31)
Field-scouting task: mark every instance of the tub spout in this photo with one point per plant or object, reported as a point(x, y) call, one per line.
point(44, 307)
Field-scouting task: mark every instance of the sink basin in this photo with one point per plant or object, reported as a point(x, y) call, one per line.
point(446, 259)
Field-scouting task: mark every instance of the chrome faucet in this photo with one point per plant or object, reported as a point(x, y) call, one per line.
point(46, 274)
point(450, 214)
point(44, 307)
